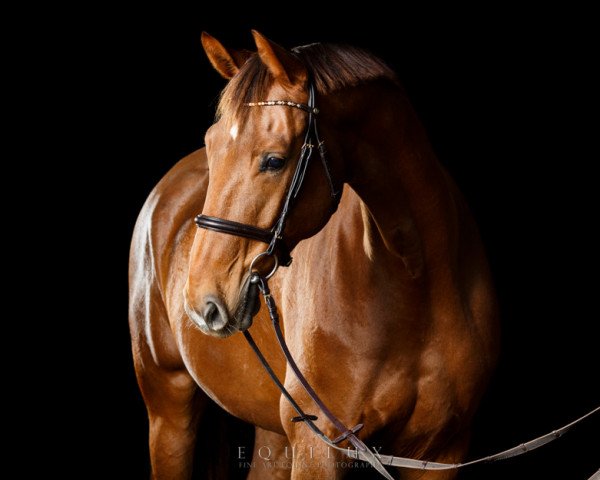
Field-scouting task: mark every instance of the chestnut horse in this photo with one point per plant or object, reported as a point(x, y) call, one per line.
point(388, 306)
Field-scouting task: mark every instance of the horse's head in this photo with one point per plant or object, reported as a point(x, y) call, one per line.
point(253, 153)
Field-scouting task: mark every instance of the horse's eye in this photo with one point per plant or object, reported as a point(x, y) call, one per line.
point(273, 163)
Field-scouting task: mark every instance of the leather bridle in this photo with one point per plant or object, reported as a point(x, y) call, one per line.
point(274, 235)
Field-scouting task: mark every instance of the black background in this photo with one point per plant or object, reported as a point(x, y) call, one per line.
point(509, 100)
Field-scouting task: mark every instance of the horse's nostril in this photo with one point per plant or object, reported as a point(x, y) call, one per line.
point(212, 316)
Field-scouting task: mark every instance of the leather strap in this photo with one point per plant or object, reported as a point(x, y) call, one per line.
point(346, 433)
point(229, 227)
point(362, 452)
point(511, 452)
point(237, 229)
point(311, 139)
point(366, 454)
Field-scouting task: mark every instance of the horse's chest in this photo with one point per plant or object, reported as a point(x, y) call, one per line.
point(229, 373)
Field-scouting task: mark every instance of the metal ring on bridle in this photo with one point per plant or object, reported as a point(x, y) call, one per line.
point(260, 255)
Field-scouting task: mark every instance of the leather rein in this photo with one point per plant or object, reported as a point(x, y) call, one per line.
point(280, 253)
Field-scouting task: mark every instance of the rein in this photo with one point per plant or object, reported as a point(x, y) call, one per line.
point(279, 251)
point(362, 452)
point(347, 433)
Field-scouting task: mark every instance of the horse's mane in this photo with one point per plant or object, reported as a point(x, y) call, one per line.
point(331, 67)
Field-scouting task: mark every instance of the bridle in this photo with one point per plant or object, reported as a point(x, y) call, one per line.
point(279, 251)
point(277, 248)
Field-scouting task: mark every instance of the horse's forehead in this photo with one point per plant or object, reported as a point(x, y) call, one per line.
point(260, 122)
point(272, 128)
point(262, 125)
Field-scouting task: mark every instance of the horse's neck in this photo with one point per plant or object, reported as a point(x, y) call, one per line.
point(396, 174)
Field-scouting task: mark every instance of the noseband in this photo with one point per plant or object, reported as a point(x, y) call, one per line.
point(274, 235)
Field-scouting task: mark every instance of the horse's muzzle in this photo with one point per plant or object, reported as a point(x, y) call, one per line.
point(213, 317)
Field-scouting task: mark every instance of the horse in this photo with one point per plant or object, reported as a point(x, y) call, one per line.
point(388, 307)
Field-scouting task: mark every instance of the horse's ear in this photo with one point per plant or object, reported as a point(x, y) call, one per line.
point(283, 65)
point(226, 62)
